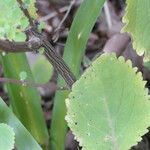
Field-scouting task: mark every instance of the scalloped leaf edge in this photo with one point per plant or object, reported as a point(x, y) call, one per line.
point(141, 50)
point(138, 74)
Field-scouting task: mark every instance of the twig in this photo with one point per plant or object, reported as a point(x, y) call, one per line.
point(53, 57)
point(66, 15)
point(56, 60)
point(56, 36)
point(25, 11)
point(27, 83)
point(52, 15)
point(15, 47)
point(41, 41)
point(34, 35)
point(108, 17)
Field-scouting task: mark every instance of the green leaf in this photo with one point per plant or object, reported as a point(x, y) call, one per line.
point(7, 137)
point(13, 21)
point(42, 70)
point(81, 28)
point(23, 139)
point(137, 24)
point(25, 101)
point(112, 111)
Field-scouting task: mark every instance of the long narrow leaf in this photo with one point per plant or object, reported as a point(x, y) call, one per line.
point(25, 101)
point(74, 51)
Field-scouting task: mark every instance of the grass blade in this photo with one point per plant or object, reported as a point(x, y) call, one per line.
point(74, 50)
point(25, 101)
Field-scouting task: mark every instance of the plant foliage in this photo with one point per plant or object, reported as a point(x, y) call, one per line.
point(7, 137)
point(12, 19)
point(108, 107)
point(137, 24)
point(73, 53)
point(25, 101)
point(23, 139)
point(42, 70)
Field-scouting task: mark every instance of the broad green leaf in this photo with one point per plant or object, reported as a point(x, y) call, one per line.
point(137, 24)
point(109, 107)
point(12, 19)
point(75, 46)
point(7, 137)
point(23, 139)
point(25, 101)
point(42, 70)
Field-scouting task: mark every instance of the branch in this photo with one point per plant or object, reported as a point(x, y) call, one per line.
point(56, 60)
point(36, 41)
point(27, 83)
point(14, 47)
point(25, 11)
point(56, 36)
